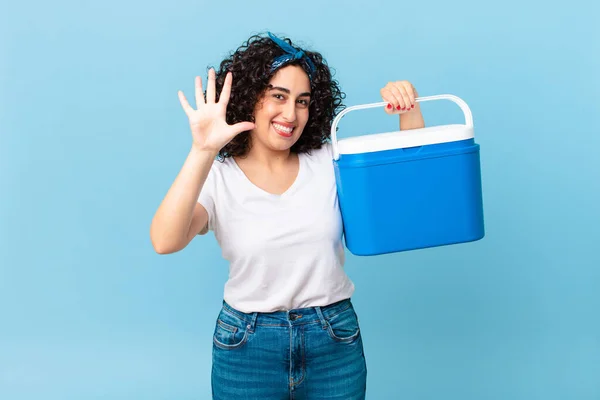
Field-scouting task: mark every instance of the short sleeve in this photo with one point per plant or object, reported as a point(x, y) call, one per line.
point(207, 197)
point(329, 150)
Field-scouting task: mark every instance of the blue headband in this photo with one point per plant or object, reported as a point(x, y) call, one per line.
point(291, 54)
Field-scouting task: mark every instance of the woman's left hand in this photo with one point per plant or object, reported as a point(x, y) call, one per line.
point(400, 96)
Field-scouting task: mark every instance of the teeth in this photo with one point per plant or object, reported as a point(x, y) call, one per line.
point(283, 128)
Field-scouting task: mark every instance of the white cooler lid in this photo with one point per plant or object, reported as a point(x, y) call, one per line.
point(405, 138)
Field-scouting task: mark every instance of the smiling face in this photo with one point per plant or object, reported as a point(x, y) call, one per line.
point(281, 114)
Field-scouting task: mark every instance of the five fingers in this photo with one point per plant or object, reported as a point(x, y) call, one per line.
point(210, 92)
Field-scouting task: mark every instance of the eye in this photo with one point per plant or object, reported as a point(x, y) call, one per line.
point(278, 96)
point(303, 102)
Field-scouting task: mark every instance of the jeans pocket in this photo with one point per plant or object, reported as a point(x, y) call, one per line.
point(343, 327)
point(231, 332)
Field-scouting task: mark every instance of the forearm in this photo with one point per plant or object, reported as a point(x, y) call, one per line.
point(412, 119)
point(172, 220)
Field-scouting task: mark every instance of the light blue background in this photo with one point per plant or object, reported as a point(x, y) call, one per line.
point(92, 136)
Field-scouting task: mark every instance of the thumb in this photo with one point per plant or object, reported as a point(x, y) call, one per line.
point(242, 126)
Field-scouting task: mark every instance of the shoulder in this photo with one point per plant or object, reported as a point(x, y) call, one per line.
point(222, 166)
point(325, 153)
point(221, 172)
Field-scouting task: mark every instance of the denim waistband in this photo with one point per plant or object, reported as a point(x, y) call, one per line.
point(295, 317)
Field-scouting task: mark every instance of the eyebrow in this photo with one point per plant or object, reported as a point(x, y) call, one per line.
point(282, 89)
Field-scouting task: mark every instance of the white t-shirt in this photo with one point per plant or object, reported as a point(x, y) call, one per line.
point(285, 251)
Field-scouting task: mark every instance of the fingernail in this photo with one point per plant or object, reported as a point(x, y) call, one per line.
point(398, 108)
point(412, 106)
point(389, 105)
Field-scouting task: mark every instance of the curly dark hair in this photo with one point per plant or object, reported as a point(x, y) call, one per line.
point(250, 65)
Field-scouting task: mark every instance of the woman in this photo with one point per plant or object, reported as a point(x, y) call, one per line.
point(260, 176)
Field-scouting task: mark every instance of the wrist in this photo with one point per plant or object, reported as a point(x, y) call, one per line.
point(201, 150)
point(412, 119)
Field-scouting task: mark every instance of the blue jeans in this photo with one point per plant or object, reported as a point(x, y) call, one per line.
point(309, 353)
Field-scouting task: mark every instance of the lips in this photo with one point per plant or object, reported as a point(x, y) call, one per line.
point(285, 130)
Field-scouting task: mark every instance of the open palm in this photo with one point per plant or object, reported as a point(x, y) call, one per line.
point(210, 130)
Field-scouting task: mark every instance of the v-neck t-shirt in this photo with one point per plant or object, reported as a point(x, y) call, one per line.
point(284, 250)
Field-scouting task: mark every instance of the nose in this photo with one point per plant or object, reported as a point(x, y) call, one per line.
point(289, 111)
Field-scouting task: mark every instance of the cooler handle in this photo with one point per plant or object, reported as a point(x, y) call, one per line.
point(464, 107)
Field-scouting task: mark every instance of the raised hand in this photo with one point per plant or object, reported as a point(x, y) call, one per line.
point(209, 127)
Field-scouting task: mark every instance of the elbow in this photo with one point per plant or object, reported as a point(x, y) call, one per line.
point(161, 245)
point(162, 249)
point(165, 248)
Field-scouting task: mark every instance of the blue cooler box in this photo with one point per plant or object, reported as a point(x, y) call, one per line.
point(410, 189)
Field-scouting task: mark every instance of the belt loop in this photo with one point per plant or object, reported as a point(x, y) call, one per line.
point(253, 321)
point(321, 317)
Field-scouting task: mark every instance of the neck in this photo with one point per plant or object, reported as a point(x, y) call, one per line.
point(267, 158)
